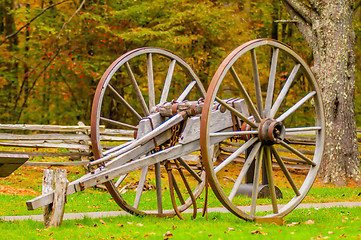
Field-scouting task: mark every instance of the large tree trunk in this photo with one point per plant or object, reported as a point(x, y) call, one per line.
point(328, 28)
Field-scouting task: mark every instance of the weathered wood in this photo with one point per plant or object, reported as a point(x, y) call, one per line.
point(56, 164)
point(10, 162)
point(61, 185)
point(45, 144)
point(72, 137)
point(47, 186)
point(50, 128)
point(50, 154)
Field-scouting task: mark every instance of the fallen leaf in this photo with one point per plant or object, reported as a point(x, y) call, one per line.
point(210, 235)
point(130, 222)
point(50, 234)
point(340, 227)
point(259, 232)
point(79, 225)
point(343, 220)
point(230, 229)
point(310, 221)
point(320, 237)
point(330, 232)
point(95, 225)
point(139, 224)
point(292, 224)
point(39, 230)
point(102, 222)
point(120, 225)
point(343, 236)
point(167, 235)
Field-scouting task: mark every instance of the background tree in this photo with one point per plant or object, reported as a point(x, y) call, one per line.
point(327, 26)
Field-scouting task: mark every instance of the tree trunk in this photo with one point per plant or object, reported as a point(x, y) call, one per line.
point(328, 28)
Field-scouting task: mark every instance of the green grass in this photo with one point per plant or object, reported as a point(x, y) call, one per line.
point(333, 223)
point(92, 200)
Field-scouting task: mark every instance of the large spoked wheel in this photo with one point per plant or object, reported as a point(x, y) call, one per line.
point(130, 90)
point(283, 103)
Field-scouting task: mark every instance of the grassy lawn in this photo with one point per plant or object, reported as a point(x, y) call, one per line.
point(333, 223)
point(25, 184)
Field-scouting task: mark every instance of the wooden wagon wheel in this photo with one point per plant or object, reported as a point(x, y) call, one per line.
point(130, 90)
point(282, 98)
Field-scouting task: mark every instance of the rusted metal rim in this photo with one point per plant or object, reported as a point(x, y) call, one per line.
point(205, 134)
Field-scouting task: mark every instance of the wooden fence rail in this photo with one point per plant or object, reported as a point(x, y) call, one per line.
point(76, 140)
point(28, 139)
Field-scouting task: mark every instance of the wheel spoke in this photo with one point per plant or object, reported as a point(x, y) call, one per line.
point(296, 106)
point(235, 154)
point(118, 123)
point(237, 113)
point(284, 91)
point(189, 169)
point(125, 103)
point(137, 90)
point(255, 188)
point(143, 177)
point(303, 129)
point(186, 91)
point(257, 83)
point(298, 153)
point(285, 170)
point(244, 170)
point(231, 134)
point(271, 83)
point(167, 82)
point(158, 184)
point(120, 180)
point(177, 190)
point(271, 184)
point(245, 95)
point(150, 81)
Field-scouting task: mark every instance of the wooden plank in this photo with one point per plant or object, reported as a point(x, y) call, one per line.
point(49, 154)
point(56, 164)
point(49, 128)
point(115, 138)
point(47, 186)
point(9, 163)
point(61, 186)
point(45, 144)
point(117, 132)
point(72, 137)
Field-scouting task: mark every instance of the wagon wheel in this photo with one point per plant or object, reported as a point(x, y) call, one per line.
point(130, 90)
point(283, 99)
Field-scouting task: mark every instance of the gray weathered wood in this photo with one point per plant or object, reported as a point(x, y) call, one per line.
point(10, 162)
point(56, 164)
point(47, 187)
point(61, 185)
point(50, 128)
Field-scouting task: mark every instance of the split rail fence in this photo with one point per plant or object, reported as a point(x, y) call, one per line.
point(74, 142)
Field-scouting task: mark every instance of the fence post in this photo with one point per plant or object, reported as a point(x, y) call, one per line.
point(54, 212)
point(47, 187)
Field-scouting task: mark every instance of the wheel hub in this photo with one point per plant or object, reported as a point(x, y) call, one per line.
point(271, 131)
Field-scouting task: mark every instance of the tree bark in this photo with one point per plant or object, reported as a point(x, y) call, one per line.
point(327, 26)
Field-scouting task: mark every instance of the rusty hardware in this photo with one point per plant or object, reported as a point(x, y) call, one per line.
point(191, 108)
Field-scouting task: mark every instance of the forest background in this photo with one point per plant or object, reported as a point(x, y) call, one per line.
point(54, 53)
